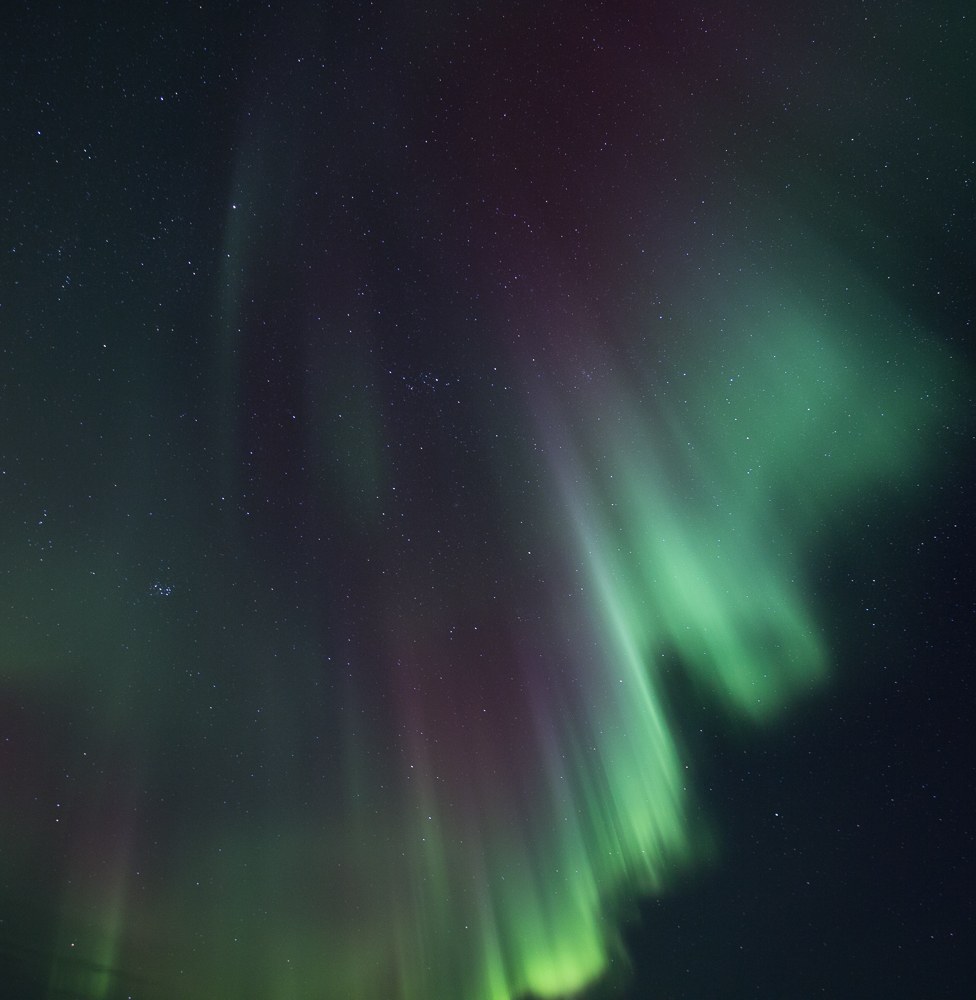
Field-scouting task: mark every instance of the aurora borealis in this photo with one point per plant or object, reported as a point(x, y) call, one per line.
point(415, 423)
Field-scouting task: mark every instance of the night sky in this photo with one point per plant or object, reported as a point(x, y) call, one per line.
point(487, 500)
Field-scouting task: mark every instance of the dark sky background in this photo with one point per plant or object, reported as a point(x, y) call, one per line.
point(313, 581)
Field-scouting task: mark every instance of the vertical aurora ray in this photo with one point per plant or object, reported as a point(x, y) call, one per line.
point(87, 949)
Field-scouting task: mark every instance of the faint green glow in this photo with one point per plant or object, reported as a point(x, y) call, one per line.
point(91, 929)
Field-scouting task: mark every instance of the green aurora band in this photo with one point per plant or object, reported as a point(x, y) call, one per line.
point(456, 871)
point(355, 532)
